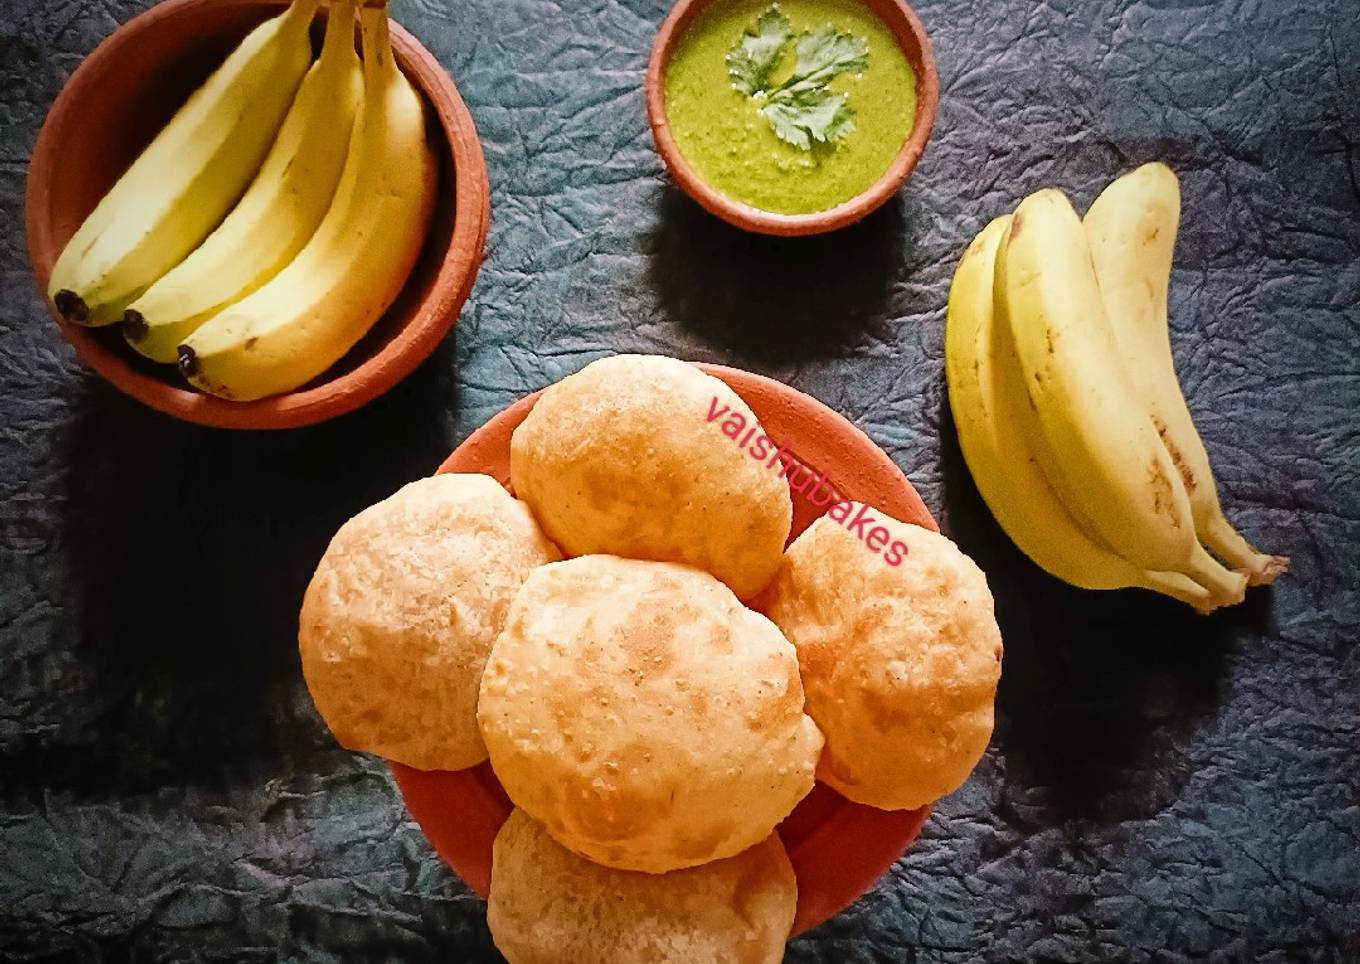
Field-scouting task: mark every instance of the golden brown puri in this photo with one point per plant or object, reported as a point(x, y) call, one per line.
point(403, 609)
point(624, 458)
point(549, 906)
point(644, 715)
point(900, 663)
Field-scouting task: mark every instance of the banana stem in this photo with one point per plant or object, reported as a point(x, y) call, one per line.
point(1180, 587)
point(1228, 545)
point(339, 32)
point(377, 39)
point(1225, 588)
point(301, 12)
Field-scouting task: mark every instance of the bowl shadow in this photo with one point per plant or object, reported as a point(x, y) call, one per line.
point(188, 553)
point(770, 300)
point(1101, 692)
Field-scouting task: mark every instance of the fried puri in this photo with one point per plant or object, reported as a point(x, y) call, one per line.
point(629, 457)
point(550, 906)
point(402, 611)
point(645, 716)
point(900, 662)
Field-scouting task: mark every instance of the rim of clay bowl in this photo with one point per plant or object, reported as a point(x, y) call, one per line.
point(839, 849)
point(430, 318)
point(911, 37)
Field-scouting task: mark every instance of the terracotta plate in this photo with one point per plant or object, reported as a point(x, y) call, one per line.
point(839, 849)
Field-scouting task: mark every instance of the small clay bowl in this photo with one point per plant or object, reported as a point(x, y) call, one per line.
point(839, 849)
point(126, 91)
point(905, 25)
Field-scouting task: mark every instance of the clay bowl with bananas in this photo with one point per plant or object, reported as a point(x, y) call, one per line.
point(263, 268)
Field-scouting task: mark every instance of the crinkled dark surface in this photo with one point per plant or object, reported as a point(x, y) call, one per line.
point(1161, 786)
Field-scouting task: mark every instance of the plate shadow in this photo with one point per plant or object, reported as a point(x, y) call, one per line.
point(188, 551)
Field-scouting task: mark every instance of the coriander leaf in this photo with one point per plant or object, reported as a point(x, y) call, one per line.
point(808, 117)
point(802, 110)
point(824, 53)
point(751, 62)
point(842, 122)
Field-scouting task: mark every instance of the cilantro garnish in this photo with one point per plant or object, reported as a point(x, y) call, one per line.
point(751, 61)
point(802, 110)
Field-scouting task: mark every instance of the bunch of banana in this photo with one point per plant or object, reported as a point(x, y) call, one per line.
point(305, 318)
point(1068, 409)
point(191, 175)
point(279, 212)
point(276, 217)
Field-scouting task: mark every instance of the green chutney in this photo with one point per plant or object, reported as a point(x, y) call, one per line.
point(732, 147)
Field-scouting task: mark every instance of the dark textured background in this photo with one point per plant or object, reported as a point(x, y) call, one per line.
point(1161, 786)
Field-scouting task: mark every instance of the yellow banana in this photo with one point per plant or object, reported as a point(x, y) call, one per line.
point(312, 312)
point(1096, 444)
point(190, 176)
point(279, 212)
point(994, 420)
point(1131, 229)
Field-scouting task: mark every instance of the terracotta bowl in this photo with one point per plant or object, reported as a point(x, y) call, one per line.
point(125, 92)
point(905, 25)
point(839, 849)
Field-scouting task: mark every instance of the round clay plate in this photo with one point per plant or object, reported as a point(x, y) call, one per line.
point(839, 849)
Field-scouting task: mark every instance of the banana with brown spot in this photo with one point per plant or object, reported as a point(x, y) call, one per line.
point(1096, 443)
point(996, 422)
point(1131, 229)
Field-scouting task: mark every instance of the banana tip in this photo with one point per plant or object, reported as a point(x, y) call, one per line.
point(188, 361)
point(71, 306)
point(134, 326)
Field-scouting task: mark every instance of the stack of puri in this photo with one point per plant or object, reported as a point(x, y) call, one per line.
point(596, 636)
